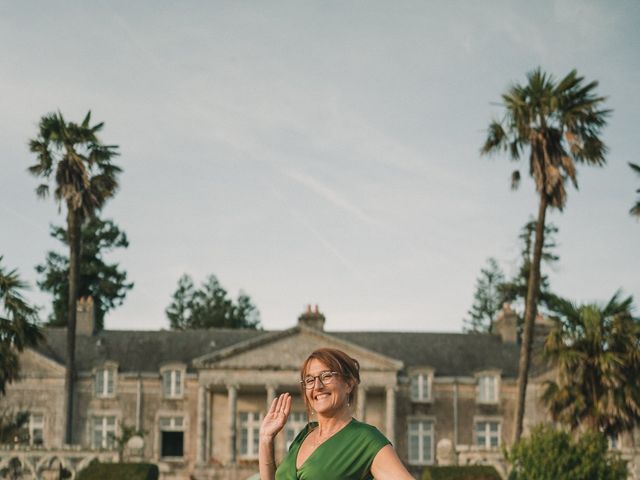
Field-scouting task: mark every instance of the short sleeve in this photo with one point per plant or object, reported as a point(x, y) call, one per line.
point(372, 441)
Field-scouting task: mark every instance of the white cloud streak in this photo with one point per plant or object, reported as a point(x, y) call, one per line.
point(330, 196)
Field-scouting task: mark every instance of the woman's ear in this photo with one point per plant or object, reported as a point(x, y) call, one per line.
point(351, 384)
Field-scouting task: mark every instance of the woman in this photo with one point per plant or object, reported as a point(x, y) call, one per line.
point(337, 446)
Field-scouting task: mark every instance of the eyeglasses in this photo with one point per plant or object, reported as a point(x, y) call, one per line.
point(325, 379)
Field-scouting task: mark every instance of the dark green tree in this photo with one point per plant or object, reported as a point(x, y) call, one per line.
point(179, 312)
point(18, 325)
point(79, 166)
point(209, 307)
point(12, 426)
point(493, 289)
point(595, 350)
point(105, 282)
point(635, 210)
point(558, 123)
point(550, 454)
point(487, 299)
point(515, 290)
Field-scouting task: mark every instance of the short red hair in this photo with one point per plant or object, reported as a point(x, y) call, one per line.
point(337, 361)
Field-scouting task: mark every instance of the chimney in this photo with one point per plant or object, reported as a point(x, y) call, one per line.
point(506, 324)
point(85, 317)
point(312, 318)
point(541, 329)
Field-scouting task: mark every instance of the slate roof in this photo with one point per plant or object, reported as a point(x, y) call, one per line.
point(450, 354)
point(140, 351)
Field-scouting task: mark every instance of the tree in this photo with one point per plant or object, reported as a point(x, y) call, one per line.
point(12, 426)
point(18, 325)
point(71, 156)
point(559, 124)
point(487, 299)
point(105, 282)
point(179, 311)
point(493, 290)
point(516, 289)
point(550, 454)
point(596, 351)
point(635, 210)
point(209, 307)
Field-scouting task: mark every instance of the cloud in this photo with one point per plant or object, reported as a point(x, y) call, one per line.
point(315, 233)
point(330, 196)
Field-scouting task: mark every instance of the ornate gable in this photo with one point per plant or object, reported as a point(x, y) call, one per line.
point(287, 350)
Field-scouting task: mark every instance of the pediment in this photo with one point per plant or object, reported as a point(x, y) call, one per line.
point(34, 364)
point(288, 349)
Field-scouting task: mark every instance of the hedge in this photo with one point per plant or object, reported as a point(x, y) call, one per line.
point(470, 472)
point(110, 471)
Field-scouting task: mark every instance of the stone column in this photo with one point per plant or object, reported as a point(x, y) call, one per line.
point(207, 420)
point(233, 409)
point(202, 424)
point(362, 403)
point(390, 419)
point(271, 394)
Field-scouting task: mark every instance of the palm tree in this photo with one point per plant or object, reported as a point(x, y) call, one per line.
point(635, 210)
point(558, 123)
point(80, 166)
point(596, 351)
point(18, 325)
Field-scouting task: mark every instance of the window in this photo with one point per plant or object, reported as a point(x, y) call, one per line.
point(36, 429)
point(249, 434)
point(488, 389)
point(172, 383)
point(171, 436)
point(296, 422)
point(487, 434)
point(105, 382)
point(32, 430)
point(421, 387)
point(420, 442)
point(104, 431)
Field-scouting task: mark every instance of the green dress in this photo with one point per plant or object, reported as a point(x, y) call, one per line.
point(347, 455)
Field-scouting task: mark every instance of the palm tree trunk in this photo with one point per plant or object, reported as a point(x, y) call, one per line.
point(73, 229)
point(530, 312)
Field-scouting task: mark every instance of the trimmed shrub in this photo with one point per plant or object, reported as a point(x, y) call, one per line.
point(468, 472)
point(550, 454)
point(111, 471)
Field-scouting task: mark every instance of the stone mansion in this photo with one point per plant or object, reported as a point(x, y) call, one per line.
point(199, 395)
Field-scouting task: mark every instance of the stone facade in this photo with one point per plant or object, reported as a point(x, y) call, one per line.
point(198, 396)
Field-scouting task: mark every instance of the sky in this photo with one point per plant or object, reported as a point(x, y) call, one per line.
point(318, 152)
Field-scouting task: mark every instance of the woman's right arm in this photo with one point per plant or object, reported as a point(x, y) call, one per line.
point(273, 422)
point(387, 466)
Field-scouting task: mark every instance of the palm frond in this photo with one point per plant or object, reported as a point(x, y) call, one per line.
point(42, 190)
point(635, 210)
point(515, 179)
point(496, 138)
point(87, 119)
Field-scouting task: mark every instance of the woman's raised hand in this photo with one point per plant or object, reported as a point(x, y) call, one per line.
point(277, 416)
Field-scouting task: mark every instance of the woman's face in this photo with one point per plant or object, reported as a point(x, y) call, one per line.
point(328, 399)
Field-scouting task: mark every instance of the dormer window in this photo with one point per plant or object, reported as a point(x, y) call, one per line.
point(172, 382)
point(105, 381)
point(488, 387)
point(421, 385)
